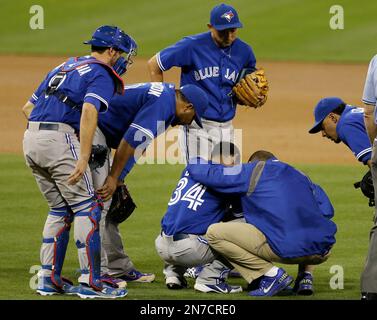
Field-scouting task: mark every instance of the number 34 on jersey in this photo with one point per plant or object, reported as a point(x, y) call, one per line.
point(193, 195)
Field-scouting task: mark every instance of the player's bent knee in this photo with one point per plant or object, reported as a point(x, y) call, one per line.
point(213, 233)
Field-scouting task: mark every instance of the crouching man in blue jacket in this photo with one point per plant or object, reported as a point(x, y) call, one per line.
point(288, 219)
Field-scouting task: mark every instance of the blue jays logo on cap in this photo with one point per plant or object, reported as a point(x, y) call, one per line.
point(228, 16)
point(224, 17)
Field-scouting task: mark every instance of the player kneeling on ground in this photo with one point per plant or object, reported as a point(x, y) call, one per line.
point(181, 244)
point(288, 220)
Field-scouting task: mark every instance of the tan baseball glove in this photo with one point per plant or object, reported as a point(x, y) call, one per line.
point(252, 89)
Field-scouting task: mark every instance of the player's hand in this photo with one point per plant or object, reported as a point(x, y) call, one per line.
point(79, 171)
point(107, 190)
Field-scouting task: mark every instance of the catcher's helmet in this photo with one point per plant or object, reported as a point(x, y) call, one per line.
point(113, 37)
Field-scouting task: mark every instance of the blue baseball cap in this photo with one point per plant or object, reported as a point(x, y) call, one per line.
point(112, 37)
point(224, 16)
point(323, 108)
point(198, 98)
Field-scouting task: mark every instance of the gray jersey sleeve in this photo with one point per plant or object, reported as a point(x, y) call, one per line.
point(370, 87)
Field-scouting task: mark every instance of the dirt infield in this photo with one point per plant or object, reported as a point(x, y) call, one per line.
point(280, 126)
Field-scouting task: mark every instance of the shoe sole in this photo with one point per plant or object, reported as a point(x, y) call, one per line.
point(305, 292)
point(71, 294)
point(84, 296)
point(282, 286)
point(121, 284)
point(44, 293)
point(174, 286)
point(147, 279)
point(277, 289)
point(203, 288)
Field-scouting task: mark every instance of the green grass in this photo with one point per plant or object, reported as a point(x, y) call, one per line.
point(277, 29)
point(23, 212)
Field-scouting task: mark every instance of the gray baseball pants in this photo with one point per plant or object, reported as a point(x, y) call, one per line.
point(199, 142)
point(369, 274)
point(192, 251)
point(114, 260)
point(52, 156)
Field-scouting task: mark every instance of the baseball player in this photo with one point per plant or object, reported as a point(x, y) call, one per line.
point(341, 122)
point(288, 220)
point(369, 275)
point(130, 138)
point(212, 60)
point(99, 165)
point(64, 107)
point(192, 208)
point(132, 121)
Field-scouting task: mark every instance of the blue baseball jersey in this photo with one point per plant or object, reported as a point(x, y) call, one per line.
point(213, 69)
point(292, 212)
point(370, 86)
point(351, 130)
point(139, 115)
point(143, 112)
point(90, 83)
point(192, 208)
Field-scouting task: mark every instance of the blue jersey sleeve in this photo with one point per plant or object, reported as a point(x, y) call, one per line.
point(100, 88)
point(357, 140)
point(127, 168)
point(151, 120)
point(37, 93)
point(178, 55)
point(221, 178)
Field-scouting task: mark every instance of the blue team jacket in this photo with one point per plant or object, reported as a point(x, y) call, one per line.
point(292, 212)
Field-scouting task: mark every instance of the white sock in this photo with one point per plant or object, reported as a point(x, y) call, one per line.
point(272, 272)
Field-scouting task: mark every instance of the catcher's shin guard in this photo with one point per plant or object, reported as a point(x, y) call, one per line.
point(59, 243)
point(92, 246)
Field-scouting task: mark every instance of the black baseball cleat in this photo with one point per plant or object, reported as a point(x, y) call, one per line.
point(304, 284)
point(176, 283)
point(254, 284)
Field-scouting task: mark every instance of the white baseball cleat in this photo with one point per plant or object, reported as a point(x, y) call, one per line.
point(222, 287)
